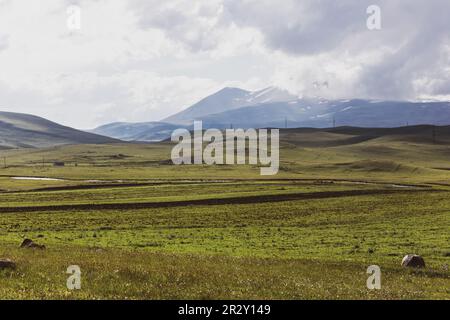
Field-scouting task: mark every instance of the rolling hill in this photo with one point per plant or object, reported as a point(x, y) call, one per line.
point(324, 113)
point(144, 131)
point(18, 130)
point(273, 107)
point(342, 136)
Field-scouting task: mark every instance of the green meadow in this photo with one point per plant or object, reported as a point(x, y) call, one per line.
point(142, 228)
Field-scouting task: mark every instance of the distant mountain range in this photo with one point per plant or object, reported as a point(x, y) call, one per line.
point(142, 131)
point(273, 107)
point(229, 99)
point(231, 107)
point(19, 130)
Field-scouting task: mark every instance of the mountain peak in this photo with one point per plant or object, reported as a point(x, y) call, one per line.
point(271, 94)
point(231, 89)
point(230, 98)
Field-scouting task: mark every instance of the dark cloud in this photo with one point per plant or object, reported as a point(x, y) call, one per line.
point(301, 27)
point(414, 38)
point(413, 42)
point(145, 59)
point(194, 24)
point(420, 63)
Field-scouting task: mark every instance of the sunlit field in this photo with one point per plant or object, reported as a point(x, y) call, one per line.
point(142, 228)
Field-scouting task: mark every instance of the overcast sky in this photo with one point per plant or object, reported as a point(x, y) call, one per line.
point(142, 60)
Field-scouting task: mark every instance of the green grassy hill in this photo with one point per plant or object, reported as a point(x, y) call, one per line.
point(142, 228)
point(19, 130)
point(351, 135)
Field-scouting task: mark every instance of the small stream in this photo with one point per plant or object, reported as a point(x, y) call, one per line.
point(36, 178)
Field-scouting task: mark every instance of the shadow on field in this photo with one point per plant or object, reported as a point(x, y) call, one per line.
point(199, 202)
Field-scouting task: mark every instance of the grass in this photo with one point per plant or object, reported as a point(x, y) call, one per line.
point(336, 234)
point(169, 191)
point(317, 246)
point(120, 274)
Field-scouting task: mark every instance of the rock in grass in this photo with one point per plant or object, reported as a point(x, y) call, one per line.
point(28, 243)
point(413, 261)
point(7, 264)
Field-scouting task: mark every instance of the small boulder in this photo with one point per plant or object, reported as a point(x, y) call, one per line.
point(413, 261)
point(7, 264)
point(28, 243)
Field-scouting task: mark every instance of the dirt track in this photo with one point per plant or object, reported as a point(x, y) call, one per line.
point(200, 202)
point(137, 183)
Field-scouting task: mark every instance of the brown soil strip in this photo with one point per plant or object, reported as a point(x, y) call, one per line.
point(203, 202)
point(136, 183)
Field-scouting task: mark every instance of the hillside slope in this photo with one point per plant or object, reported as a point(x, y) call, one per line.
point(18, 130)
point(142, 131)
point(340, 136)
point(274, 107)
point(323, 114)
point(229, 99)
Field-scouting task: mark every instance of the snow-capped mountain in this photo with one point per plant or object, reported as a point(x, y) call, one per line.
point(322, 114)
point(229, 99)
point(273, 107)
point(269, 95)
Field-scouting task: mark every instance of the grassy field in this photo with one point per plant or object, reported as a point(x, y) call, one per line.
point(141, 228)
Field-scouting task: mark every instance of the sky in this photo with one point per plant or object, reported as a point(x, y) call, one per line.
point(87, 63)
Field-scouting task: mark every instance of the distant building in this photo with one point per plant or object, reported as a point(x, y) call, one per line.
point(59, 164)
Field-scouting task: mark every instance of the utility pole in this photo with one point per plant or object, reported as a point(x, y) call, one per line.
point(434, 134)
point(285, 123)
point(334, 122)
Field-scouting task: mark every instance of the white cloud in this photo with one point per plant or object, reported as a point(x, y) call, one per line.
point(141, 60)
point(328, 41)
point(93, 98)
